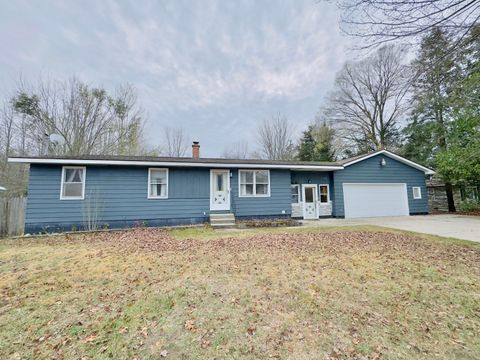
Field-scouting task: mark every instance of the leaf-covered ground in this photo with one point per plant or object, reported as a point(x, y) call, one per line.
point(198, 294)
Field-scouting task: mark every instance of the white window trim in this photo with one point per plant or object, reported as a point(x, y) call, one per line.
point(298, 193)
point(84, 168)
point(148, 184)
point(320, 194)
point(419, 192)
point(254, 183)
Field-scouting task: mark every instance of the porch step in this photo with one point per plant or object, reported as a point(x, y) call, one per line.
point(222, 220)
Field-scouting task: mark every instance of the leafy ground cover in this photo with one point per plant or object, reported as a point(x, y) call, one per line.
point(340, 293)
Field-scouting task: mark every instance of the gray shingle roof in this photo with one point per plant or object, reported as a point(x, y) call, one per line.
point(180, 159)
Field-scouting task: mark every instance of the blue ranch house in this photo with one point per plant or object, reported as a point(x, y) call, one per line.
point(68, 192)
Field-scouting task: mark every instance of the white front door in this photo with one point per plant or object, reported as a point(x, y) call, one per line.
point(219, 190)
point(309, 201)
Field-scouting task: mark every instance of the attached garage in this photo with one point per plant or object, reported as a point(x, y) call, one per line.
point(375, 199)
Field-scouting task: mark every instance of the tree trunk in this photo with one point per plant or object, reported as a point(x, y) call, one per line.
point(450, 200)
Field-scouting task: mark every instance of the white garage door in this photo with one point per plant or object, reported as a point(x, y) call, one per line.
point(371, 200)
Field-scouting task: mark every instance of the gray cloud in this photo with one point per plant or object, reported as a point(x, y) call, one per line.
point(216, 68)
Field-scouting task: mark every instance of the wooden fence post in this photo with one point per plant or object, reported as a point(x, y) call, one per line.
point(12, 216)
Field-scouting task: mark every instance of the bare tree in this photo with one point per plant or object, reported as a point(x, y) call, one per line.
point(90, 120)
point(378, 21)
point(368, 100)
point(7, 130)
point(176, 143)
point(237, 150)
point(275, 139)
point(13, 178)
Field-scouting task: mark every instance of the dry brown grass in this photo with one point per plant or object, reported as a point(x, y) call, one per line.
point(294, 294)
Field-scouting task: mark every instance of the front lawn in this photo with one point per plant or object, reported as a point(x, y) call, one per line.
point(251, 294)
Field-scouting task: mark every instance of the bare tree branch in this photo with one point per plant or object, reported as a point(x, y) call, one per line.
point(378, 22)
point(176, 143)
point(275, 139)
point(90, 120)
point(368, 100)
point(237, 150)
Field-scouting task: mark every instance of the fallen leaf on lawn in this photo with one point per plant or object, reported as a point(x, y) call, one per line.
point(90, 338)
point(190, 325)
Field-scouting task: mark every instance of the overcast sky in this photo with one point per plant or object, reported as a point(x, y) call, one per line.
point(216, 68)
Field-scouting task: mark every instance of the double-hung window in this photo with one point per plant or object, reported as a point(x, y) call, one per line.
point(295, 194)
point(157, 183)
point(254, 183)
point(417, 192)
point(73, 183)
point(324, 196)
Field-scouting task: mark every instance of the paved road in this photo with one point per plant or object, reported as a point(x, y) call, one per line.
point(456, 226)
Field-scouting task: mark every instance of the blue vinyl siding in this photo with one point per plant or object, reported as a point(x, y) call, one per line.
point(121, 193)
point(314, 177)
point(277, 204)
point(370, 171)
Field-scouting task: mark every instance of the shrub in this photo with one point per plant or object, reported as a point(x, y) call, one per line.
point(470, 206)
point(269, 222)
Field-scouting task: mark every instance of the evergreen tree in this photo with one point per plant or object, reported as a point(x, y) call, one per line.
point(317, 144)
point(436, 76)
point(460, 162)
point(306, 148)
point(324, 150)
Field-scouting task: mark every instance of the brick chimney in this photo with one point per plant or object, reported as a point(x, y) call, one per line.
point(196, 150)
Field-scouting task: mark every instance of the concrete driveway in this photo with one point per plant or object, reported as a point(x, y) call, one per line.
point(456, 226)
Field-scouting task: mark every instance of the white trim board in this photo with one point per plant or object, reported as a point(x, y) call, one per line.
point(426, 170)
point(220, 165)
point(172, 164)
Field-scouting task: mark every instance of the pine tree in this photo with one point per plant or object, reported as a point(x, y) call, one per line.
point(306, 148)
point(324, 150)
point(436, 75)
point(460, 163)
point(317, 144)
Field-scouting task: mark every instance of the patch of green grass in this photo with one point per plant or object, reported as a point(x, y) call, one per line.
point(208, 233)
point(74, 299)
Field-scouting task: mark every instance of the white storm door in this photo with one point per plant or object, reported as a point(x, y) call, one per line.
point(219, 189)
point(309, 201)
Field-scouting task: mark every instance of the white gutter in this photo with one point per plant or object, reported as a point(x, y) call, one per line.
point(171, 163)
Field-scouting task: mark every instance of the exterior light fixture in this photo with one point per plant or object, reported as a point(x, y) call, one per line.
point(383, 162)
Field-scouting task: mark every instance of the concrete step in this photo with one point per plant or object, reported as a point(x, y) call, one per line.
point(223, 226)
point(222, 217)
point(222, 220)
point(217, 215)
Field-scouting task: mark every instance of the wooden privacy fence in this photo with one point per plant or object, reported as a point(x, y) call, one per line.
point(12, 216)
